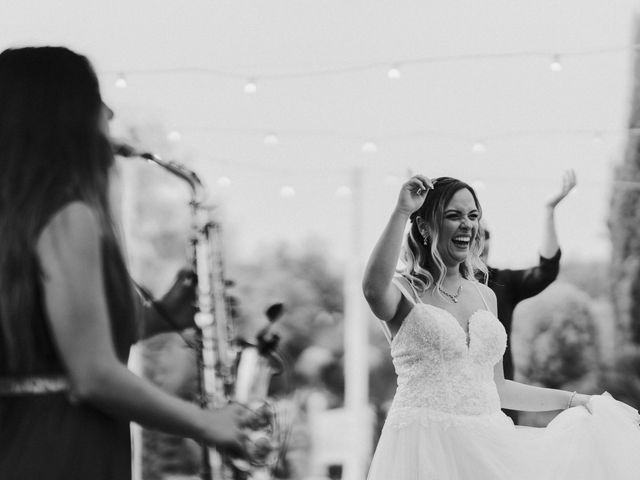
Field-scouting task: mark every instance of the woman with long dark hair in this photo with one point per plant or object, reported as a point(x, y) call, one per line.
point(68, 312)
point(447, 343)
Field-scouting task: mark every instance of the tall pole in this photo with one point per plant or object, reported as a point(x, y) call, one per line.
point(356, 338)
point(126, 204)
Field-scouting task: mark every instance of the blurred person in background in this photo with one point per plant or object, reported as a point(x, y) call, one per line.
point(68, 309)
point(447, 345)
point(513, 286)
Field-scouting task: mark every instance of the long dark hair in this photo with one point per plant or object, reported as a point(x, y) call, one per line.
point(52, 150)
point(422, 264)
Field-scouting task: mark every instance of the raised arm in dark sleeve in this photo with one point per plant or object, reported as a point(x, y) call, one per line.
point(531, 281)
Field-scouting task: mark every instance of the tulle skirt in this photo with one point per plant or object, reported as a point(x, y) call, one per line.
point(417, 444)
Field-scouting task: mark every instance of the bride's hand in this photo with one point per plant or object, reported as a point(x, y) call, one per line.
point(413, 193)
point(580, 399)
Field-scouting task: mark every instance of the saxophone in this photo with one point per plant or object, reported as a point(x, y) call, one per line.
point(226, 370)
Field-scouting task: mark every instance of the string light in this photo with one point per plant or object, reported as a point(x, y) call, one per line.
point(174, 136)
point(369, 147)
point(250, 87)
point(271, 139)
point(479, 147)
point(393, 73)
point(343, 191)
point(287, 191)
point(121, 81)
point(224, 181)
point(555, 65)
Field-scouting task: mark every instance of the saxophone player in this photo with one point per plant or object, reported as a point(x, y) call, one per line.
point(67, 305)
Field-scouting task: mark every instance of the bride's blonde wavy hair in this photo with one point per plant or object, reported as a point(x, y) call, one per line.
point(422, 264)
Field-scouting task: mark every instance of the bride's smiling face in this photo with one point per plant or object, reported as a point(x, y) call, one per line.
point(459, 228)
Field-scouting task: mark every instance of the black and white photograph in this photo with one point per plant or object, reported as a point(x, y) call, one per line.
point(320, 240)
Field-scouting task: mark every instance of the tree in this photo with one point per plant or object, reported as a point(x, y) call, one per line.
point(592, 277)
point(623, 377)
point(310, 287)
point(557, 343)
point(624, 225)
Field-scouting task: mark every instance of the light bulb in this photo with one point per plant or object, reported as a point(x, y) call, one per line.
point(271, 139)
point(343, 191)
point(369, 147)
point(393, 73)
point(479, 147)
point(224, 181)
point(555, 65)
point(121, 81)
point(287, 191)
point(250, 87)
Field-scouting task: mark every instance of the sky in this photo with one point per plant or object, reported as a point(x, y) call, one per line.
point(318, 152)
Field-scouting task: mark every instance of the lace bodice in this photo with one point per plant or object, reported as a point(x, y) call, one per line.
point(442, 371)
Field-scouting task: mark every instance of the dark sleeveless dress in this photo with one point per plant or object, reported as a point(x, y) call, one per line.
point(46, 437)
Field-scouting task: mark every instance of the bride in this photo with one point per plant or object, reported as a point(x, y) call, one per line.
point(445, 421)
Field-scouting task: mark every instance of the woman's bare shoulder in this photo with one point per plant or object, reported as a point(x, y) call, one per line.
point(72, 226)
point(485, 289)
point(488, 294)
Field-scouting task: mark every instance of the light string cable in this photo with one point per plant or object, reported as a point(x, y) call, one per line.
point(122, 74)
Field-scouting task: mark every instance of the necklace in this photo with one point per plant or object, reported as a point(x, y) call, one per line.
point(453, 297)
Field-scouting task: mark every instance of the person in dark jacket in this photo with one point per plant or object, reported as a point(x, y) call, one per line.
point(513, 286)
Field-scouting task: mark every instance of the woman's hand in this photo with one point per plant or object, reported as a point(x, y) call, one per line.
point(223, 429)
point(568, 183)
point(580, 399)
point(179, 301)
point(413, 193)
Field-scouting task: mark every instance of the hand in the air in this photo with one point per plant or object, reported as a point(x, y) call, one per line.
point(568, 183)
point(413, 193)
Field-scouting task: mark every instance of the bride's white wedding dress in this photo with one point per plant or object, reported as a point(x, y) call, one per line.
point(445, 422)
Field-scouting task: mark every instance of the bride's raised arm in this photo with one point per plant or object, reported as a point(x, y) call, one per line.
point(376, 285)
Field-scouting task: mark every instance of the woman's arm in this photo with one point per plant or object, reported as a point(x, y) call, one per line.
point(528, 398)
point(529, 282)
point(174, 312)
point(381, 296)
point(550, 246)
point(69, 252)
